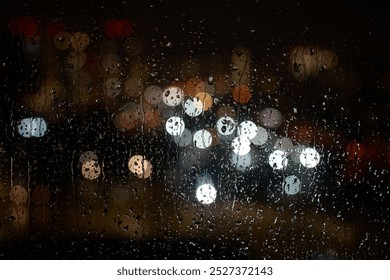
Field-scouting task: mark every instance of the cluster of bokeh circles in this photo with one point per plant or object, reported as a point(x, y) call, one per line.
point(179, 107)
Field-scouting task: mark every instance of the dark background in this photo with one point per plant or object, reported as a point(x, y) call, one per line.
point(358, 32)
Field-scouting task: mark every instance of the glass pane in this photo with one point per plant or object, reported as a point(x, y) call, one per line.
point(194, 130)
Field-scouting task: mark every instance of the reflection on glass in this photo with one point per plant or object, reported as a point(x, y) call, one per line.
point(173, 96)
point(202, 139)
point(247, 129)
point(226, 125)
point(175, 126)
point(278, 159)
point(241, 145)
point(292, 185)
point(193, 107)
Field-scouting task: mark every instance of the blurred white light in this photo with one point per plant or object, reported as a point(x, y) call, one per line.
point(309, 158)
point(226, 125)
point(278, 160)
point(206, 193)
point(193, 107)
point(247, 129)
point(261, 136)
point(241, 145)
point(32, 127)
point(175, 126)
point(292, 185)
point(184, 139)
point(173, 96)
point(90, 169)
point(202, 139)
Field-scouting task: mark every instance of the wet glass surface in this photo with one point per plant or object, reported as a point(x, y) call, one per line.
point(194, 130)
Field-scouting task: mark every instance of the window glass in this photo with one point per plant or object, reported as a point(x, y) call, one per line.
point(194, 130)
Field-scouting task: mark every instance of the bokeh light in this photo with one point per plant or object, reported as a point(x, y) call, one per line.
point(32, 127)
point(226, 125)
point(206, 193)
point(140, 166)
point(309, 157)
point(90, 169)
